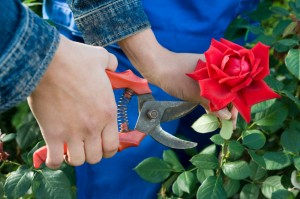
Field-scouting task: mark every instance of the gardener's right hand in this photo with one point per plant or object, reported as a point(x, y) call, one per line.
point(74, 104)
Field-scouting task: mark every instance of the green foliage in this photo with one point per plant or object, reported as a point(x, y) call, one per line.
point(260, 159)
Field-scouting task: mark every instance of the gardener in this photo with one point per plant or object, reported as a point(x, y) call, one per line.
point(179, 27)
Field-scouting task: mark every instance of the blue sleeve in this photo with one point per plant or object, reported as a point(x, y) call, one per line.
point(27, 45)
point(107, 21)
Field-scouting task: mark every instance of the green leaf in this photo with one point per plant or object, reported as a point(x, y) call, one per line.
point(276, 160)
point(236, 170)
point(18, 182)
point(211, 150)
point(206, 123)
point(290, 29)
point(1, 190)
point(50, 184)
point(292, 62)
point(295, 179)
point(153, 170)
point(202, 174)
point(171, 158)
point(280, 27)
point(262, 106)
point(205, 161)
point(257, 171)
point(236, 149)
point(280, 11)
point(254, 139)
point(270, 185)
point(249, 191)
point(217, 139)
point(186, 181)
point(290, 140)
point(297, 162)
point(274, 83)
point(285, 45)
point(276, 114)
point(211, 188)
point(9, 137)
point(226, 129)
point(292, 97)
point(27, 133)
point(282, 194)
point(176, 190)
point(29, 160)
point(257, 158)
point(231, 187)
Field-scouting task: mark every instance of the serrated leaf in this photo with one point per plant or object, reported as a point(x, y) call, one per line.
point(205, 161)
point(26, 134)
point(290, 29)
point(18, 182)
point(280, 27)
point(50, 184)
point(226, 129)
point(211, 188)
point(171, 158)
point(206, 123)
point(257, 158)
point(176, 190)
point(9, 137)
point(236, 149)
point(282, 194)
point(262, 106)
point(153, 170)
point(276, 160)
point(249, 191)
point(292, 62)
point(231, 187)
point(202, 174)
point(270, 185)
point(290, 140)
point(186, 181)
point(236, 170)
point(257, 171)
point(276, 114)
point(211, 150)
point(217, 139)
point(254, 139)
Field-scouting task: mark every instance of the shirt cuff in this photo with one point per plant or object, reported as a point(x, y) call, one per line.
point(112, 22)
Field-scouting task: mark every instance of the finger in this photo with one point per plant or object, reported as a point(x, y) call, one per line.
point(55, 154)
point(93, 149)
point(234, 113)
point(110, 139)
point(223, 114)
point(76, 154)
point(112, 62)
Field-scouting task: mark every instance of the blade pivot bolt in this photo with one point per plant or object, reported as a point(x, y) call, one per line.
point(153, 114)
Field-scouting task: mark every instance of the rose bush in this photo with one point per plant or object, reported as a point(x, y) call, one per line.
point(234, 74)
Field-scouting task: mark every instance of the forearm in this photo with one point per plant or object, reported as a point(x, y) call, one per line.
point(108, 21)
point(26, 53)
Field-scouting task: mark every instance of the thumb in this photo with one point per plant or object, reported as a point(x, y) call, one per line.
point(112, 62)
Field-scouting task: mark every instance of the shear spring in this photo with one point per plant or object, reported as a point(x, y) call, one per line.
point(122, 110)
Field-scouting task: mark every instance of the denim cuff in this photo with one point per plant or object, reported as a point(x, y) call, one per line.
point(26, 58)
point(112, 22)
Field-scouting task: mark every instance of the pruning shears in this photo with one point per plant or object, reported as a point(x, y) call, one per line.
point(151, 114)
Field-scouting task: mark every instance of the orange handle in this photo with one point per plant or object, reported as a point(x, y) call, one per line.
point(128, 79)
point(129, 139)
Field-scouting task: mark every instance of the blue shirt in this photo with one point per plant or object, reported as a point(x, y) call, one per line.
point(180, 26)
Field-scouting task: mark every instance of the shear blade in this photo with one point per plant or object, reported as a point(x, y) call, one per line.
point(169, 140)
point(178, 110)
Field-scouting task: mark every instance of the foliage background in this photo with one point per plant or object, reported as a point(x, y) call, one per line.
point(257, 160)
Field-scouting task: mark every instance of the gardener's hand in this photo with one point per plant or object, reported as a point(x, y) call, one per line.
point(166, 69)
point(74, 104)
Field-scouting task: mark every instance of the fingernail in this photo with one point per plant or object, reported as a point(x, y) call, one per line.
point(224, 114)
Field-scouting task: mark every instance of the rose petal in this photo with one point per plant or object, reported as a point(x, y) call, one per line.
point(216, 72)
point(233, 81)
point(199, 74)
point(218, 94)
point(242, 85)
point(257, 92)
point(231, 45)
point(261, 51)
point(255, 68)
point(200, 64)
point(218, 45)
point(214, 56)
point(241, 105)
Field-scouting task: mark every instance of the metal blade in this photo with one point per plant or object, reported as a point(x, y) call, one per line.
point(181, 109)
point(169, 140)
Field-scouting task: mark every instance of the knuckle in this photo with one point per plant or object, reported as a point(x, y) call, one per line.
point(110, 149)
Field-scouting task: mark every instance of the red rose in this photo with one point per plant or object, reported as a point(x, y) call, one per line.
point(234, 74)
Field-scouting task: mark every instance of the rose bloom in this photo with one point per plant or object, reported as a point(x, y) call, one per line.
point(234, 74)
